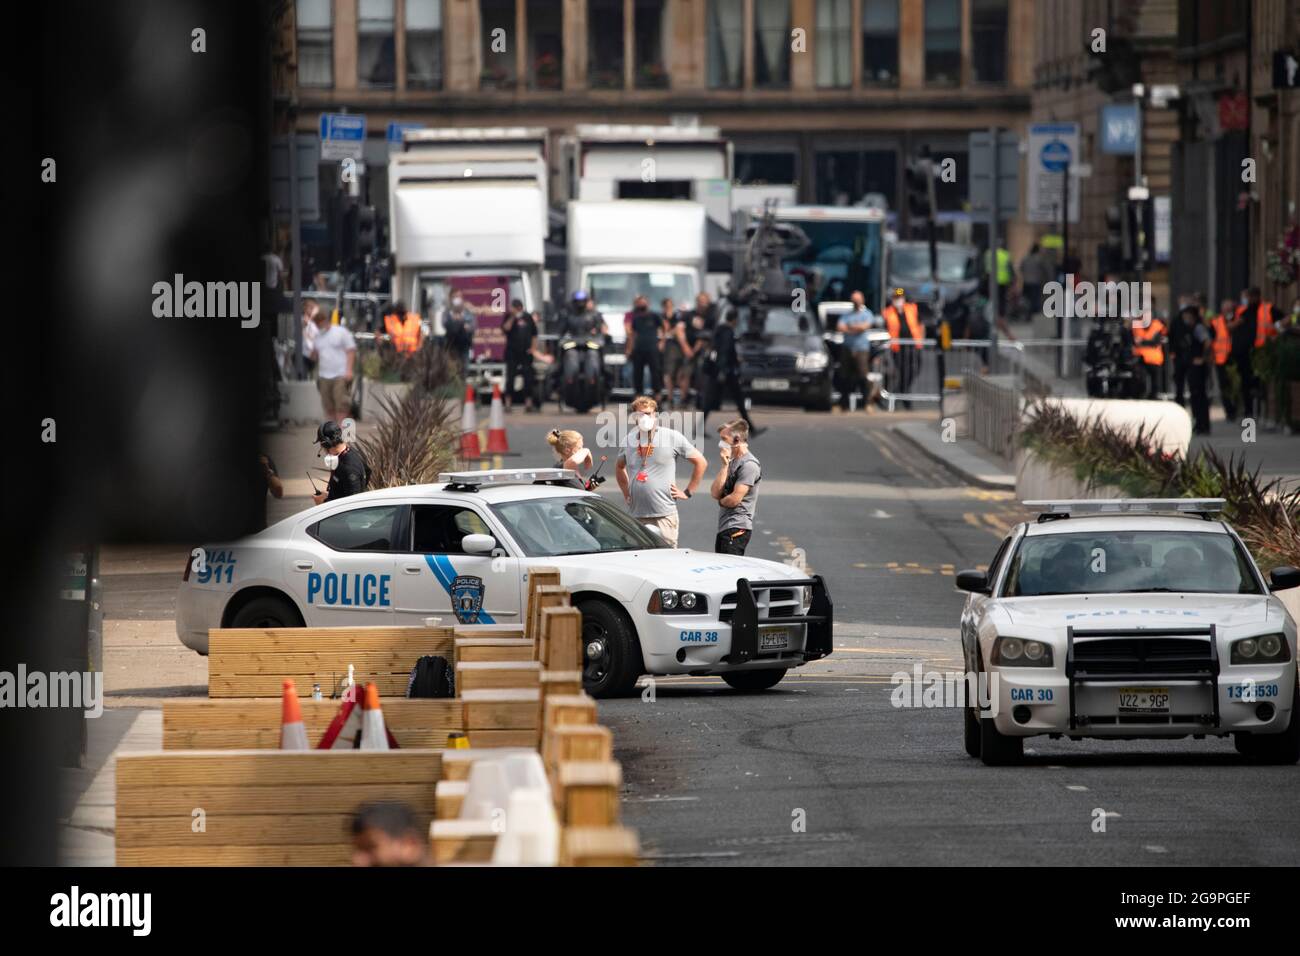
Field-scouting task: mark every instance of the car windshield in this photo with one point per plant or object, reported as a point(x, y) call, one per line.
point(1121, 562)
point(913, 262)
point(551, 527)
point(783, 321)
point(615, 291)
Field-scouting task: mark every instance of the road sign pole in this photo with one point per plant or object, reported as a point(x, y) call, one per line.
point(1062, 365)
point(993, 243)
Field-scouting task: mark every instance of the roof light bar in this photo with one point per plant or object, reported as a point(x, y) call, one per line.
point(505, 476)
point(1115, 506)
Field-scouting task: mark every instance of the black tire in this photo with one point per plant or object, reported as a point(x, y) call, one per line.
point(996, 748)
point(972, 734)
point(267, 611)
point(1283, 748)
point(754, 680)
point(614, 672)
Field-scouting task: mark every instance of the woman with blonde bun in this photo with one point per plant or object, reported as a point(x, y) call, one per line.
point(571, 451)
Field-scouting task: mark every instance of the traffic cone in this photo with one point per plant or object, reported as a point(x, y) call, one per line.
point(293, 732)
point(497, 443)
point(469, 446)
point(374, 736)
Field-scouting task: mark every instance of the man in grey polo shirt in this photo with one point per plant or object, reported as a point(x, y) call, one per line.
point(647, 469)
point(735, 488)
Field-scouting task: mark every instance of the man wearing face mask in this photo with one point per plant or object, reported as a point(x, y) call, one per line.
point(735, 488)
point(652, 451)
point(906, 354)
point(458, 329)
point(349, 473)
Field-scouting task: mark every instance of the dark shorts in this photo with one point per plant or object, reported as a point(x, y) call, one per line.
point(731, 542)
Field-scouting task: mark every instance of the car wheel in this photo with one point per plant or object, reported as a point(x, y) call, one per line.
point(972, 732)
point(267, 612)
point(611, 653)
point(1283, 748)
point(996, 748)
point(754, 680)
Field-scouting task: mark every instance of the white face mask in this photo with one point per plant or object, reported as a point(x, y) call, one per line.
point(646, 423)
point(331, 462)
point(898, 303)
point(724, 446)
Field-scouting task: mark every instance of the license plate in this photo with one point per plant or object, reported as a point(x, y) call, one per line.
point(1144, 700)
point(770, 385)
point(774, 640)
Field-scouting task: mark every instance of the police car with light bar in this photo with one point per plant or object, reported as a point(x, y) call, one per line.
point(461, 550)
point(1124, 619)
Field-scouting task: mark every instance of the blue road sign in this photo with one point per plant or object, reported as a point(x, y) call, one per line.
point(1119, 129)
point(1056, 156)
point(342, 135)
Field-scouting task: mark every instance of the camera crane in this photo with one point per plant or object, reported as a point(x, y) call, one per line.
point(759, 282)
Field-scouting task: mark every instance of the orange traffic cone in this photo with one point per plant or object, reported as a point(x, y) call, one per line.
point(469, 447)
point(373, 734)
point(497, 443)
point(293, 732)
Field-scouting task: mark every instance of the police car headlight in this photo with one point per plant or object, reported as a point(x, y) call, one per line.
point(1015, 652)
point(1264, 649)
point(810, 361)
point(668, 601)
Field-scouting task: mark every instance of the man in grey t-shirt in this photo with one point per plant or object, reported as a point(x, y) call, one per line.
point(735, 488)
point(647, 468)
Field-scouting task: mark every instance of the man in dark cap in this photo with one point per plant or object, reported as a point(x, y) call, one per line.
point(349, 473)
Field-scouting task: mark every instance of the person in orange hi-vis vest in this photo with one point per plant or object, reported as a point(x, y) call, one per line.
point(1250, 327)
point(404, 332)
point(1149, 346)
point(906, 360)
point(1222, 355)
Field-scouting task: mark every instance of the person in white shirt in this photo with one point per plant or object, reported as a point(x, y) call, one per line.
point(309, 333)
point(336, 351)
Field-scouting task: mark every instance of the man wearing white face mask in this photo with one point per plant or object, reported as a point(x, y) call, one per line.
point(349, 473)
point(650, 489)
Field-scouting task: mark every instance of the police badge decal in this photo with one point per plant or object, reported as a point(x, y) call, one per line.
point(467, 598)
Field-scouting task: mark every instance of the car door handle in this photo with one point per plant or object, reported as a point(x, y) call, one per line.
point(304, 565)
point(411, 569)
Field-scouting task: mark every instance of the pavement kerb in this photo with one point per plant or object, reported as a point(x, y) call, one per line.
point(965, 473)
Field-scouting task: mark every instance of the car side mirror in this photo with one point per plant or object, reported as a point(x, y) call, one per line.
point(1284, 577)
point(478, 544)
point(976, 582)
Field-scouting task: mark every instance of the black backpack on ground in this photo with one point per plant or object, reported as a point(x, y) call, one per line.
point(431, 677)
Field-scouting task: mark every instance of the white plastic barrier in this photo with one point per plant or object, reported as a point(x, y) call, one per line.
point(514, 790)
point(1168, 423)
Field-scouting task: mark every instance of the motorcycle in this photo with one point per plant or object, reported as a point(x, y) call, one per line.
point(582, 384)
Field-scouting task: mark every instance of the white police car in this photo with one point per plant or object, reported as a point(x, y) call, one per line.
point(1129, 618)
point(463, 548)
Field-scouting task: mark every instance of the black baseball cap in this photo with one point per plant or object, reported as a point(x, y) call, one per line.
point(329, 434)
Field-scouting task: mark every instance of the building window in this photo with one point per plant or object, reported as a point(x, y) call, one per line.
point(760, 167)
point(315, 43)
point(989, 40)
point(833, 47)
point(649, 33)
point(545, 45)
point(726, 43)
point(880, 42)
point(424, 44)
point(605, 44)
point(376, 66)
point(497, 44)
point(845, 177)
point(943, 42)
point(772, 44)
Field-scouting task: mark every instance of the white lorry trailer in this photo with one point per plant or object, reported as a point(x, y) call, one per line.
point(469, 214)
point(628, 247)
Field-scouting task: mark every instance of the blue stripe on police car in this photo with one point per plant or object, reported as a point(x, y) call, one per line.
point(349, 590)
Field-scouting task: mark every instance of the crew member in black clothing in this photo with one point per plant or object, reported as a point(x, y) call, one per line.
point(521, 332)
point(643, 344)
point(349, 473)
point(722, 374)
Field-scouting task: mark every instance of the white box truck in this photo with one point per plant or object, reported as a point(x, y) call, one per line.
point(469, 213)
point(628, 247)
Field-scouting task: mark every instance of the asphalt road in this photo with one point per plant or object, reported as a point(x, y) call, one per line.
point(823, 769)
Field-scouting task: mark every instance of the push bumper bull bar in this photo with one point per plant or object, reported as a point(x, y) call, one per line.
point(746, 622)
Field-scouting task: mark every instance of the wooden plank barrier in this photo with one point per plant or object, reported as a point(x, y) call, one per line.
point(251, 662)
point(537, 578)
point(549, 597)
point(501, 718)
point(599, 846)
point(587, 792)
point(254, 724)
point(259, 807)
point(476, 649)
point(496, 675)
